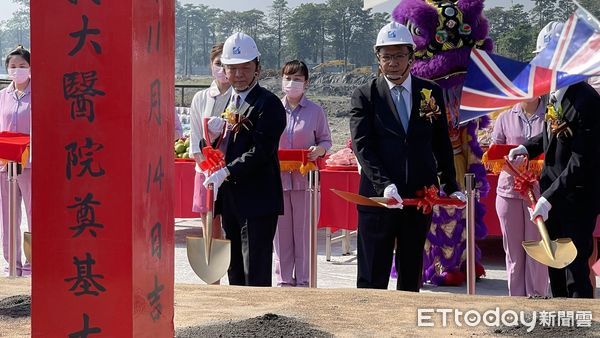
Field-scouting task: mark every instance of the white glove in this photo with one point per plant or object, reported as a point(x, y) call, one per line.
point(392, 192)
point(459, 195)
point(215, 127)
point(315, 152)
point(542, 207)
point(217, 178)
point(514, 152)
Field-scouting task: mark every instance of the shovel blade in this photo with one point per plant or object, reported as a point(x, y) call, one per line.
point(563, 250)
point(220, 257)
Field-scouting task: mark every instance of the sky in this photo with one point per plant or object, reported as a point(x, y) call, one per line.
point(7, 7)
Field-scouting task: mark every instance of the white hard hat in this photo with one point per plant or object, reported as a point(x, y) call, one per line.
point(546, 34)
point(239, 48)
point(394, 34)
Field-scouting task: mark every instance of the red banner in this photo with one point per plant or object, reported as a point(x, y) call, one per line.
point(102, 131)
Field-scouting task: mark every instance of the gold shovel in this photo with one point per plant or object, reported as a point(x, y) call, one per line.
point(209, 257)
point(558, 253)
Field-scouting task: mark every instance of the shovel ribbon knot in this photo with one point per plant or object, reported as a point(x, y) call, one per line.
point(214, 159)
point(428, 197)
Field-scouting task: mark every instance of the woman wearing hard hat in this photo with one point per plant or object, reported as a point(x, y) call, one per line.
point(400, 138)
point(249, 197)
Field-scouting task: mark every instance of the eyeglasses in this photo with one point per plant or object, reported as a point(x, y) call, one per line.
point(387, 58)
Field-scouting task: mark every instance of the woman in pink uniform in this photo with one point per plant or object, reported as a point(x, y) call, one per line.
point(306, 128)
point(526, 277)
point(15, 116)
point(207, 103)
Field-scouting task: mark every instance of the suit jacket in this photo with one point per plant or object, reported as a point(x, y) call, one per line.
point(572, 164)
point(254, 182)
point(387, 154)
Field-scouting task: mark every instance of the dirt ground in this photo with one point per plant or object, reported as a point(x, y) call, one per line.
point(342, 312)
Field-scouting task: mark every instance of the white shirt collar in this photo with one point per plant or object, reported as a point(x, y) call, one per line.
point(559, 94)
point(243, 94)
point(407, 84)
point(213, 90)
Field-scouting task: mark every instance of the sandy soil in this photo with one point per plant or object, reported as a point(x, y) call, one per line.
point(342, 312)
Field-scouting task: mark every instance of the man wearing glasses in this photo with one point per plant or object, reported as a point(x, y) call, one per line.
point(400, 138)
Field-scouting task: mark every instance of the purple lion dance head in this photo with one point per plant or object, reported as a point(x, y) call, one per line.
point(444, 32)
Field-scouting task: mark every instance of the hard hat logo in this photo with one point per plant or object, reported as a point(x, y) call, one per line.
point(391, 34)
point(237, 51)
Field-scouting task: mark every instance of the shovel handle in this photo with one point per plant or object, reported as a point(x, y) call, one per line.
point(210, 197)
point(541, 225)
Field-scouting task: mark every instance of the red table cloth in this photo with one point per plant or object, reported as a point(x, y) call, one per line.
point(14, 146)
point(337, 213)
point(183, 186)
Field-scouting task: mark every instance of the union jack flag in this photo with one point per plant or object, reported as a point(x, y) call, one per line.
point(495, 83)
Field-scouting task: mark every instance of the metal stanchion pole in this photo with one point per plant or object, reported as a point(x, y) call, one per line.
point(313, 183)
point(13, 227)
point(470, 190)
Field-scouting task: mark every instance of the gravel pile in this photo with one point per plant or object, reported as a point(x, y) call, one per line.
point(265, 326)
point(15, 306)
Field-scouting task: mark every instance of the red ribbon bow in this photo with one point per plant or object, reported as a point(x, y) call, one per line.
point(524, 180)
point(214, 159)
point(427, 198)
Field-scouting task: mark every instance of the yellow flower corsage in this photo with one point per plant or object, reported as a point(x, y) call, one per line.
point(428, 108)
point(558, 125)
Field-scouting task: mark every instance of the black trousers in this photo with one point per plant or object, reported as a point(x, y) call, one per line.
point(377, 234)
point(577, 223)
point(251, 246)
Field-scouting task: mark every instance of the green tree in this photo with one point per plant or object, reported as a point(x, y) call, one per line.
point(277, 16)
point(543, 12)
point(227, 23)
point(512, 32)
point(194, 36)
point(348, 26)
point(306, 32)
point(363, 36)
point(15, 30)
point(564, 9)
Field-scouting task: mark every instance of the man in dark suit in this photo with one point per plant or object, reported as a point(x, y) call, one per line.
point(569, 182)
point(250, 197)
point(401, 148)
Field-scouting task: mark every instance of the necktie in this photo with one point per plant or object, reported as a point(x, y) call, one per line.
point(401, 106)
point(236, 101)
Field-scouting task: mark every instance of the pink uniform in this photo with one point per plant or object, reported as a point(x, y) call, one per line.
point(15, 116)
point(526, 277)
point(306, 126)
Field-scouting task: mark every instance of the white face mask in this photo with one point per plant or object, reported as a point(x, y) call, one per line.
point(293, 89)
point(219, 74)
point(18, 75)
